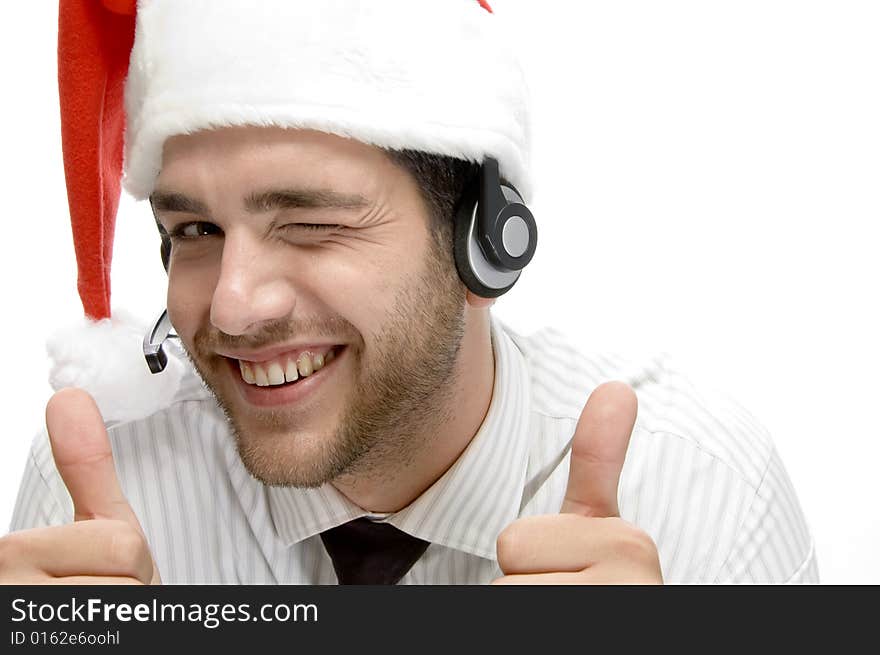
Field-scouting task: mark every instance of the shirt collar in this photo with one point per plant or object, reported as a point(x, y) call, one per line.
point(477, 497)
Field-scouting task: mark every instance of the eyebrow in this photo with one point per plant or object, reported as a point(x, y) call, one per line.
point(177, 202)
point(263, 201)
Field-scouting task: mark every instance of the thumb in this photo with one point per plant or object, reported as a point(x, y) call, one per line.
point(598, 450)
point(81, 449)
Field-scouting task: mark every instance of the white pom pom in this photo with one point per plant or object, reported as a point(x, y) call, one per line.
point(106, 359)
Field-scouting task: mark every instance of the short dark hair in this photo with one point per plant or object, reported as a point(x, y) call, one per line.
point(441, 181)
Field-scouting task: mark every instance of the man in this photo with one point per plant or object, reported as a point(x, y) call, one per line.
point(310, 200)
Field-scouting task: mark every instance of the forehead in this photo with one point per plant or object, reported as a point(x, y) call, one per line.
point(249, 156)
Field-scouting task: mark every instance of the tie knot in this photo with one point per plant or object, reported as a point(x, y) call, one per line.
point(369, 552)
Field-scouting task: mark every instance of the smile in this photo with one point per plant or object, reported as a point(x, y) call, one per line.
point(286, 368)
point(285, 376)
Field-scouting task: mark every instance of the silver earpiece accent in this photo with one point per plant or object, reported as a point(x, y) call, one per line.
point(515, 236)
point(485, 272)
point(154, 340)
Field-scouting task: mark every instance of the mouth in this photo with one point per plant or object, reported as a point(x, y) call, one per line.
point(286, 378)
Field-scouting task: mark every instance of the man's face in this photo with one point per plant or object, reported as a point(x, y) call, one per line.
point(297, 254)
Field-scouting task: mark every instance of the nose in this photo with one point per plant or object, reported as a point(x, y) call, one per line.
point(252, 288)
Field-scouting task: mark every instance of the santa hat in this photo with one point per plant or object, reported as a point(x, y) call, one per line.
point(439, 76)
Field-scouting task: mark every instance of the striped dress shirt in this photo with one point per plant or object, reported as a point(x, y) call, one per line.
point(700, 476)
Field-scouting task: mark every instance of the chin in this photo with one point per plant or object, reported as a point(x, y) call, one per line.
point(284, 446)
point(292, 458)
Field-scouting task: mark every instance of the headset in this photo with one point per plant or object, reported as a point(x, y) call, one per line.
point(495, 237)
point(154, 340)
point(495, 233)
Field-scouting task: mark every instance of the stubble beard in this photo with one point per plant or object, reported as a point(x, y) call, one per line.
point(398, 402)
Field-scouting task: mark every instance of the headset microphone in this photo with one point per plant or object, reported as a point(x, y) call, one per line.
point(495, 234)
point(154, 340)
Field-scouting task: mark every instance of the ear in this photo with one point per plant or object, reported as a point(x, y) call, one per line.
point(478, 302)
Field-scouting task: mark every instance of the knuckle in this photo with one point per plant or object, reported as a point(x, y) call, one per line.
point(635, 544)
point(508, 545)
point(126, 548)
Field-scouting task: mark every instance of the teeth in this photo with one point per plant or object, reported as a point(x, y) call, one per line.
point(291, 374)
point(304, 364)
point(276, 373)
point(247, 373)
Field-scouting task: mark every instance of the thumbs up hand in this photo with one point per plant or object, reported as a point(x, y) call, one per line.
point(587, 542)
point(105, 544)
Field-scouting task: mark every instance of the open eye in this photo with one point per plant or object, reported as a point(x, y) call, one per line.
point(194, 230)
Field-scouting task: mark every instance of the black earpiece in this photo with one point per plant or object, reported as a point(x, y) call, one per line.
point(495, 234)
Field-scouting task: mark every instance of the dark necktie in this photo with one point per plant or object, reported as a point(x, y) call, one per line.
point(367, 552)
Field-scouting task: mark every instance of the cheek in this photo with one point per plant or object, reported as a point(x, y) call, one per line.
point(365, 290)
point(189, 299)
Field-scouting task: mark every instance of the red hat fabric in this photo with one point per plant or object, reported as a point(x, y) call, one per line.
point(94, 44)
point(100, 355)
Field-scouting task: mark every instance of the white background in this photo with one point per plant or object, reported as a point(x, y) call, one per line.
point(708, 184)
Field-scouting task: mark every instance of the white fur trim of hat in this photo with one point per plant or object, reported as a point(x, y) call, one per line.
point(433, 75)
